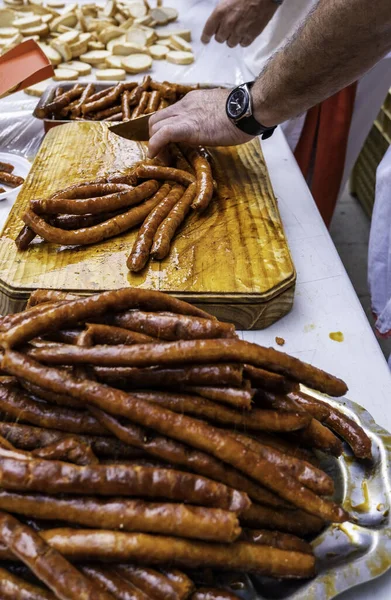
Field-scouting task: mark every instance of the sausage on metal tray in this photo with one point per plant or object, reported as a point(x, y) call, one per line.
point(106, 577)
point(156, 585)
point(224, 374)
point(46, 563)
point(56, 477)
point(17, 405)
point(78, 309)
point(181, 520)
point(197, 351)
point(28, 437)
point(169, 326)
point(16, 588)
point(176, 453)
point(183, 428)
point(284, 541)
point(159, 550)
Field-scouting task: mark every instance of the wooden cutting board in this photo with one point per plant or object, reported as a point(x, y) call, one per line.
point(233, 260)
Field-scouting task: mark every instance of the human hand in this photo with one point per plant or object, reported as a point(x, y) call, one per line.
point(238, 21)
point(198, 119)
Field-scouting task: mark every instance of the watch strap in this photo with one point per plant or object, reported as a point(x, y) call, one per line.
point(251, 126)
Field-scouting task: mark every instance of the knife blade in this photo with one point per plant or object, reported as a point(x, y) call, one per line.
point(135, 129)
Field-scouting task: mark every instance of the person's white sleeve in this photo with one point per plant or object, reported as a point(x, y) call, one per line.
point(379, 256)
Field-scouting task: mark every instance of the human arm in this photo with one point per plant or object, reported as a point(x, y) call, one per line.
point(339, 41)
point(238, 21)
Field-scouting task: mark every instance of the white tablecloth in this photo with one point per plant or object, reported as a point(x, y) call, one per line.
point(325, 300)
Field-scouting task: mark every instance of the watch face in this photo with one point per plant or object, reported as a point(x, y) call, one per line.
point(237, 103)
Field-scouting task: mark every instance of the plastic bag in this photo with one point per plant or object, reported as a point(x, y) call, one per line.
point(20, 133)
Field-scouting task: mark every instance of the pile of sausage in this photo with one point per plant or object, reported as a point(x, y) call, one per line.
point(143, 444)
point(121, 102)
point(157, 196)
point(8, 177)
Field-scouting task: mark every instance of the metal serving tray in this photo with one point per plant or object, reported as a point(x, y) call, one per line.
point(350, 553)
point(49, 93)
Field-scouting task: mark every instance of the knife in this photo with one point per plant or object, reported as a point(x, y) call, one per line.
point(135, 129)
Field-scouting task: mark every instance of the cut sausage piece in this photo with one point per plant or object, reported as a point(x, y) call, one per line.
point(103, 99)
point(25, 237)
point(318, 436)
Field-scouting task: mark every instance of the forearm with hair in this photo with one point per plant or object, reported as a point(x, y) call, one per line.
point(338, 42)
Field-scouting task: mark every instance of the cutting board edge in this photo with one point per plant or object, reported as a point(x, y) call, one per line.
point(248, 314)
point(23, 293)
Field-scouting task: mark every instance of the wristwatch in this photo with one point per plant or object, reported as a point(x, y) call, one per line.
point(240, 112)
